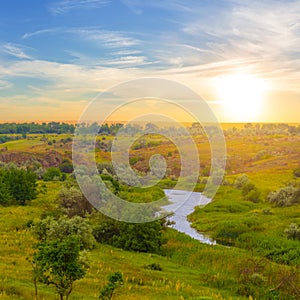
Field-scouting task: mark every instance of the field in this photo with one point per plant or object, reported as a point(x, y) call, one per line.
point(250, 233)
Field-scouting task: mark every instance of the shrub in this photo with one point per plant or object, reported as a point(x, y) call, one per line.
point(114, 281)
point(293, 232)
point(154, 267)
point(52, 174)
point(253, 195)
point(66, 166)
point(240, 181)
point(73, 202)
point(135, 237)
point(282, 197)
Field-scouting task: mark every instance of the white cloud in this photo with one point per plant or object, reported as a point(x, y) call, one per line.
point(105, 38)
point(64, 6)
point(40, 32)
point(108, 39)
point(127, 61)
point(15, 50)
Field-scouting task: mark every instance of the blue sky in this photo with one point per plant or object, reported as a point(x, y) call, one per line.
point(55, 56)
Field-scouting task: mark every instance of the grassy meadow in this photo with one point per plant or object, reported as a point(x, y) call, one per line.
point(253, 258)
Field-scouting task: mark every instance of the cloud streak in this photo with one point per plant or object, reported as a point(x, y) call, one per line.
point(65, 6)
point(15, 51)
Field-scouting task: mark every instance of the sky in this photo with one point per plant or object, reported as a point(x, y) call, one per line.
point(241, 57)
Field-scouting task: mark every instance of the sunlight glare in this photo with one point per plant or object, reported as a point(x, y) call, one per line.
point(241, 95)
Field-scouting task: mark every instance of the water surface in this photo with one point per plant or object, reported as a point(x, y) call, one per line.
point(183, 203)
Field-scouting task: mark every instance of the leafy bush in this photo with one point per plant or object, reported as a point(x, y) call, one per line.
point(52, 174)
point(66, 166)
point(154, 267)
point(293, 232)
point(114, 280)
point(17, 185)
point(253, 195)
point(73, 202)
point(282, 197)
point(135, 237)
point(240, 181)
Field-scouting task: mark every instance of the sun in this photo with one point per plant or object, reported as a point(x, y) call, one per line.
point(241, 96)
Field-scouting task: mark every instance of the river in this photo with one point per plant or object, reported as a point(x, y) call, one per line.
point(183, 204)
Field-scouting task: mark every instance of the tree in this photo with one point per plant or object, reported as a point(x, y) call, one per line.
point(22, 184)
point(59, 263)
point(5, 195)
point(50, 230)
point(17, 185)
point(52, 174)
point(114, 280)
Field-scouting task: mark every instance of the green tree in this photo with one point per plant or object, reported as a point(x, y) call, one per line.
point(17, 185)
point(5, 195)
point(59, 263)
point(50, 229)
point(52, 174)
point(22, 184)
point(114, 281)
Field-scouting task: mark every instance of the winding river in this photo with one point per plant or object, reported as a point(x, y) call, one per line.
point(183, 204)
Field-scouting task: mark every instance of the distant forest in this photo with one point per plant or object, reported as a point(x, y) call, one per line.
point(132, 129)
point(54, 127)
point(24, 128)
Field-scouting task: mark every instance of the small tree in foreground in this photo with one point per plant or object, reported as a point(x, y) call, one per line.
point(59, 263)
point(114, 280)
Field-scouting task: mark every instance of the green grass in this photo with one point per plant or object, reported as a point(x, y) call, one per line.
point(184, 275)
point(190, 270)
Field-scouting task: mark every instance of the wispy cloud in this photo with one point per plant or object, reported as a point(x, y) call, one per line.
point(127, 52)
point(40, 32)
point(101, 37)
point(137, 6)
point(262, 29)
point(64, 6)
point(127, 61)
point(109, 39)
point(4, 85)
point(14, 50)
